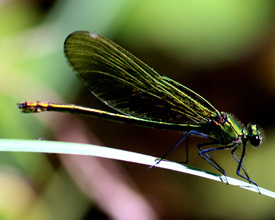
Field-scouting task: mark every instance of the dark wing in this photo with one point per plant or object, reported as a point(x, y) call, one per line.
point(128, 85)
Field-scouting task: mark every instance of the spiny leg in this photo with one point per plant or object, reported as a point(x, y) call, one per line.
point(204, 154)
point(240, 166)
point(186, 152)
point(176, 145)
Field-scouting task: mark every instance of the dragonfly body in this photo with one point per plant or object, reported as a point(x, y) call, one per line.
point(145, 98)
point(222, 129)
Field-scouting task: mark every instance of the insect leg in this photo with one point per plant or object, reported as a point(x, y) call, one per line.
point(240, 166)
point(204, 154)
point(176, 145)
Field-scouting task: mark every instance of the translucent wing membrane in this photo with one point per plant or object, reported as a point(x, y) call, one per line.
point(128, 85)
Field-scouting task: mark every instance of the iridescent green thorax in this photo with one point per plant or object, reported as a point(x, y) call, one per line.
point(225, 130)
point(228, 131)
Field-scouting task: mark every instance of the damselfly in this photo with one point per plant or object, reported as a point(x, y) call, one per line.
point(145, 98)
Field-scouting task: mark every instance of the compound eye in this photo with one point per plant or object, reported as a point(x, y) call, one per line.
point(254, 134)
point(255, 140)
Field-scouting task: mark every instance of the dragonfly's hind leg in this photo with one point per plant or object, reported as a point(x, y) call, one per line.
point(176, 145)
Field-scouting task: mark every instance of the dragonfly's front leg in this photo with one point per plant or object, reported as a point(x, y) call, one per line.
point(240, 166)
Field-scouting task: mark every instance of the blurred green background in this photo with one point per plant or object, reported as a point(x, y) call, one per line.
point(224, 50)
